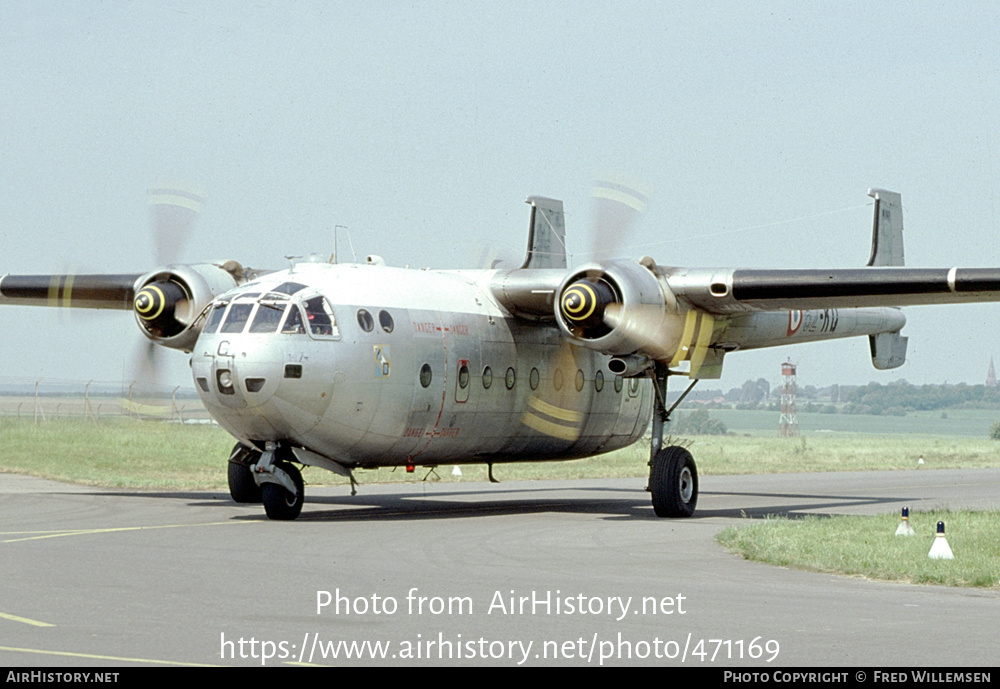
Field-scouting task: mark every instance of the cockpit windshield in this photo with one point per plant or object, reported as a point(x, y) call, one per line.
point(218, 311)
point(274, 310)
point(237, 317)
point(268, 317)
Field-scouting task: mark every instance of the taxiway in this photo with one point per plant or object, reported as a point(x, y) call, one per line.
point(116, 577)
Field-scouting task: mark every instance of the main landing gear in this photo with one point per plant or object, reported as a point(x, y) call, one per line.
point(266, 477)
point(242, 487)
point(673, 477)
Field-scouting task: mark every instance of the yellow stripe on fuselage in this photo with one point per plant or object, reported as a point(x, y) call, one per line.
point(555, 412)
point(566, 424)
point(549, 428)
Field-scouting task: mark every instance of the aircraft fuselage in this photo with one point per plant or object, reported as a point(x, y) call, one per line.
point(348, 362)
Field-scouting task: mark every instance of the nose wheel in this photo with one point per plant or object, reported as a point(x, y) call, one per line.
point(279, 502)
point(267, 477)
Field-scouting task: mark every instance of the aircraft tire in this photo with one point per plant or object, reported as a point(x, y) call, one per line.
point(278, 502)
point(242, 487)
point(673, 482)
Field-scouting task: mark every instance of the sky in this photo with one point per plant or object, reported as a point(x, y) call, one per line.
point(422, 126)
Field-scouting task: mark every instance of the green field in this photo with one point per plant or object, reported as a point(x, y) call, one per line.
point(125, 453)
point(964, 422)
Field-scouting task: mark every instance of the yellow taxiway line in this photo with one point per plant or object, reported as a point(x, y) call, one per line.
point(93, 656)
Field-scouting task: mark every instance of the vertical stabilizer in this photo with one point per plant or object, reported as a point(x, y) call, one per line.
point(547, 234)
point(887, 229)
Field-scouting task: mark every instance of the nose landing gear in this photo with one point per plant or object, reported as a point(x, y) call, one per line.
point(267, 477)
point(279, 502)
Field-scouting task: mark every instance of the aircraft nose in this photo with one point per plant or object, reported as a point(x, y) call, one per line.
point(236, 378)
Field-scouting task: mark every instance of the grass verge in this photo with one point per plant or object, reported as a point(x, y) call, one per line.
point(866, 546)
point(158, 455)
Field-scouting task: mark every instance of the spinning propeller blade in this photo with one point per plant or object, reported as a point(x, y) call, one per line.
point(617, 201)
point(173, 209)
point(556, 408)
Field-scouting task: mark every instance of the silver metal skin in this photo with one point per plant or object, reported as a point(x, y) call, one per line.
point(355, 396)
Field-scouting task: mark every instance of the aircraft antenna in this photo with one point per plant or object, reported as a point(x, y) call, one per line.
point(333, 256)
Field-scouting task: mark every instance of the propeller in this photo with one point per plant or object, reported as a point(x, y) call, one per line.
point(173, 210)
point(594, 306)
point(162, 306)
point(557, 407)
point(617, 202)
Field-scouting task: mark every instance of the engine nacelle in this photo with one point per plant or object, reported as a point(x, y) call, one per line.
point(168, 301)
point(618, 308)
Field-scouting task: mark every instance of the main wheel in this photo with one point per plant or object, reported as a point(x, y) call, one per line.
point(278, 502)
point(242, 487)
point(673, 482)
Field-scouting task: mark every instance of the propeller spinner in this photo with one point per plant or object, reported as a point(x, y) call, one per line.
point(163, 308)
point(583, 304)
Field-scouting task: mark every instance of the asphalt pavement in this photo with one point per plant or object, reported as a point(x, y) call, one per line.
point(520, 573)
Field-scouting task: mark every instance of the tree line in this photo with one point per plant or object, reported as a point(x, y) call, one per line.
point(891, 399)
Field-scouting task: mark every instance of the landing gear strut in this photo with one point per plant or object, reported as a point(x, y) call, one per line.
point(280, 483)
point(673, 477)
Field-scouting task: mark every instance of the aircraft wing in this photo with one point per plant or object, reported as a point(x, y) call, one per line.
point(166, 301)
point(642, 312)
point(733, 291)
point(76, 291)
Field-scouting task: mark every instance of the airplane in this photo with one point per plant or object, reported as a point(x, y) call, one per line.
point(362, 365)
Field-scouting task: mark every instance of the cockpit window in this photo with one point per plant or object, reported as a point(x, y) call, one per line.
point(321, 320)
point(237, 318)
point(214, 318)
point(293, 324)
point(268, 317)
point(289, 288)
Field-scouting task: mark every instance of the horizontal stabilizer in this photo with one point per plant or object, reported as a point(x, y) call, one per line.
point(888, 350)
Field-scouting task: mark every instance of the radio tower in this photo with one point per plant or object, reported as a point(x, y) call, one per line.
point(788, 425)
